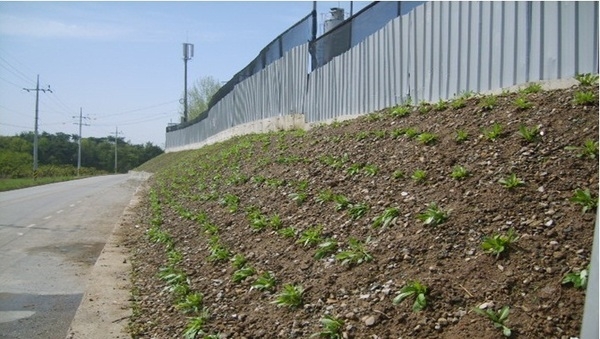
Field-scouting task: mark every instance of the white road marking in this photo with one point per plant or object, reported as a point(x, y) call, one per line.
point(48, 217)
point(30, 226)
point(72, 205)
point(20, 233)
point(59, 212)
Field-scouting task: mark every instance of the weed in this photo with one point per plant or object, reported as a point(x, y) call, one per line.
point(530, 134)
point(298, 197)
point(325, 248)
point(511, 182)
point(341, 202)
point(158, 236)
point(585, 199)
point(497, 318)
point(419, 175)
point(380, 134)
point(397, 132)
point(356, 254)
point(387, 217)
point(370, 170)
point(459, 172)
point(532, 88)
point(400, 111)
point(427, 138)
point(265, 282)
point(588, 149)
point(522, 103)
point(440, 105)
point(461, 136)
point(238, 261)
point(242, 274)
point(362, 135)
point(218, 253)
point(311, 236)
point(415, 289)
point(174, 257)
point(578, 279)
point(257, 220)
point(587, 79)
point(354, 169)
point(288, 232)
point(488, 102)
point(192, 303)
point(332, 327)
point(411, 132)
point(275, 222)
point(230, 201)
point(584, 98)
point(493, 132)
point(458, 103)
point(210, 228)
point(374, 117)
point(424, 107)
point(195, 326)
point(324, 196)
point(358, 210)
point(398, 175)
point(291, 296)
point(433, 215)
point(497, 243)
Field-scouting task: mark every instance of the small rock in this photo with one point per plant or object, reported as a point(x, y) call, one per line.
point(442, 321)
point(370, 320)
point(486, 305)
point(350, 316)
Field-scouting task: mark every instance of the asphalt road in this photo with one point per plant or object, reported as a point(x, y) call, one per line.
point(50, 238)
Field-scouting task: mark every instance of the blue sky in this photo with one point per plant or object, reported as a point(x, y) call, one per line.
point(122, 61)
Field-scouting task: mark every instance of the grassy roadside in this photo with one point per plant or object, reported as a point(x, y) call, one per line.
point(14, 184)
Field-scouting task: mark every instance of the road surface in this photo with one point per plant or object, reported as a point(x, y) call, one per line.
point(50, 237)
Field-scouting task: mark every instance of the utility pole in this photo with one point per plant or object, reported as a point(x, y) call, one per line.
point(116, 142)
point(37, 90)
point(188, 54)
point(79, 140)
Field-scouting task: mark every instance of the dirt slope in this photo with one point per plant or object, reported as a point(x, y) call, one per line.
point(257, 196)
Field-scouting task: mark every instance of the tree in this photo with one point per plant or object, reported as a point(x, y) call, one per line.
point(200, 94)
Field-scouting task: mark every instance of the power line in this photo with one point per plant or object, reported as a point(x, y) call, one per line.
point(15, 71)
point(139, 109)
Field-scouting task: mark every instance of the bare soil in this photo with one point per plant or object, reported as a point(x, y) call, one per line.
point(272, 172)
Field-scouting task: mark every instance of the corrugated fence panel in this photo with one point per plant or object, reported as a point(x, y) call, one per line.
point(436, 51)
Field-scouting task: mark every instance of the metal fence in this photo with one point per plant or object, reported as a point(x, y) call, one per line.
point(436, 51)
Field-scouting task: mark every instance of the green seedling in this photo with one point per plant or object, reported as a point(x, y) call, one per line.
point(401, 111)
point(511, 182)
point(230, 201)
point(459, 172)
point(288, 232)
point(388, 217)
point(327, 247)
point(174, 257)
point(398, 175)
point(522, 103)
point(311, 236)
point(242, 274)
point(298, 197)
point(356, 254)
point(374, 117)
point(458, 103)
point(530, 134)
point(195, 326)
point(585, 98)
point(192, 303)
point(414, 289)
point(380, 134)
point(354, 169)
point(493, 132)
point(532, 88)
point(440, 105)
point(172, 276)
point(324, 196)
point(218, 252)
point(498, 318)
point(265, 282)
point(585, 199)
point(461, 136)
point(275, 222)
point(411, 132)
point(424, 107)
point(238, 261)
point(291, 296)
point(427, 138)
point(370, 170)
point(498, 244)
point(589, 149)
point(357, 211)
point(332, 328)
point(341, 202)
point(433, 215)
point(397, 132)
point(488, 102)
point(419, 175)
point(210, 228)
point(587, 79)
point(578, 279)
point(362, 135)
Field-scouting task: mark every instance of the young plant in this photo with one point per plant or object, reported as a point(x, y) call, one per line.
point(419, 175)
point(530, 134)
point(427, 138)
point(275, 222)
point(332, 328)
point(440, 105)
point(461, 136)
point(587, 79)
point(411, 132)
point(238, 261)
point(588, 149)
point(230, 201)
point(585, 98)
point(389, 216)
point(192, 303)
point(497, 318)
point(414, 289)
point(288, 232)
point(401, 111)
point(243, 273)
point(311, 236)
point(488, 102)
point(218, 253)
point(397, 132)
point(174, 257)
point(362, 135)
point(532, 88)
point(585, 199)
point(398, 175)
point(493, 132)
point(522, 103)
point(341, 202)
point(356, 254)
point(324, 196)
point(265, 282)
point(370, 170)
point(298, 197)
point(433, 215)
point(511, 182)
point(424, 107)
point(354, 169)
point(325, 248)
point(578, 279)
point(291, 296)
point(459, 172)
point(195, 326)
point(358, 210)
point(458, 103)
point(497, 243)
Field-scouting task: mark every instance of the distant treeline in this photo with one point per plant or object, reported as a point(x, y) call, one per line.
point(57, 155)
